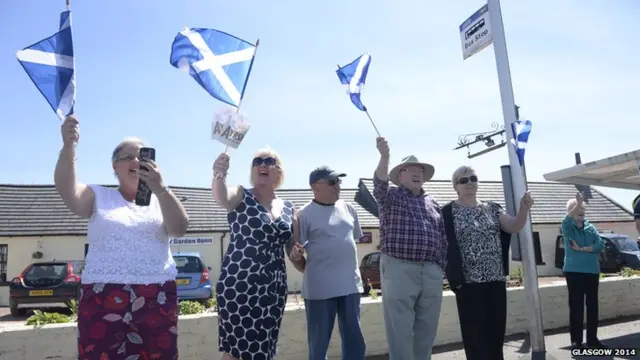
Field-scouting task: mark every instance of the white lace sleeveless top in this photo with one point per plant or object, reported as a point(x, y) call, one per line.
point(128, 244)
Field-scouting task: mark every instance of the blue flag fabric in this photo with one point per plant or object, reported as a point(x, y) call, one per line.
point(354, 76)
point(50, 65)
point(219, 62)
point(521, 130)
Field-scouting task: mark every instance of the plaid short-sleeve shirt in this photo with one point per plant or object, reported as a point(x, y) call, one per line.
point(411, 226)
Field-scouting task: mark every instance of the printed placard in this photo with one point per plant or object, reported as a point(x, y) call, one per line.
point(229, 127)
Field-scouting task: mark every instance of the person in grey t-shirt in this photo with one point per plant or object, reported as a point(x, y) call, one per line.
point(328, 229)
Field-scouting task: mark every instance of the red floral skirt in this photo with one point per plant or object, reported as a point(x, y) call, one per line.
point(118, 322)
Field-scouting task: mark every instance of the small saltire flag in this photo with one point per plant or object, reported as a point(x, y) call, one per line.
point(219, 62)
point(50, 65)
point(354, 76)
point(521, 130)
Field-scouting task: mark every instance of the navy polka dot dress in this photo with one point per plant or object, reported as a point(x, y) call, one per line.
point(252, 289)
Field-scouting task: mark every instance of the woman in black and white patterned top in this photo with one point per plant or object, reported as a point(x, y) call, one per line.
point(479, 234)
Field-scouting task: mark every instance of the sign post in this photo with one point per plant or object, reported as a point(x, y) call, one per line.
point(476, 32)
point(480, 30)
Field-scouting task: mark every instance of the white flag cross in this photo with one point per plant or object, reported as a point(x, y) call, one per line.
point(215, 62)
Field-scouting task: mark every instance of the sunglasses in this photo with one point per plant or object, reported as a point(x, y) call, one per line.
point(334, 182)
point(465, 180)
point(268, 161)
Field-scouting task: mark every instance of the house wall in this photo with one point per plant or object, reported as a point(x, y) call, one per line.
point(72, 248)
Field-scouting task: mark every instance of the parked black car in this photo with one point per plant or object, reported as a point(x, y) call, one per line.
point(45, 283)
point(619, 251)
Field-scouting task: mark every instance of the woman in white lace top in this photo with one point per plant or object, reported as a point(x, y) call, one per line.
point(128, 304)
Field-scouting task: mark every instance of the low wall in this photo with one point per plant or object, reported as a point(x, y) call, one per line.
point(198, 333)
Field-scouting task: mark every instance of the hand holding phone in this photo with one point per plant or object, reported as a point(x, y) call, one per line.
point(143, 196)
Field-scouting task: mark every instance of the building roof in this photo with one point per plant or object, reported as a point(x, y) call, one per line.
point(38, 210)
point(550, 199)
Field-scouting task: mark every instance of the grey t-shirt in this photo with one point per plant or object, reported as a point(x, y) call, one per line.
point(329, 232)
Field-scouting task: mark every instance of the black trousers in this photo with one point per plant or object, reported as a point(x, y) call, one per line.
point(482, 309)
point(583, 288)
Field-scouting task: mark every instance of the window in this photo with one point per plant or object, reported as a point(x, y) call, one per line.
point(537, 249)
point(86, 249)
point(4, 252)
point(372, 259)
point(366, 238)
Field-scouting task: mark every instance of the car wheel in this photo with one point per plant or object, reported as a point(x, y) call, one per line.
point(15, 312)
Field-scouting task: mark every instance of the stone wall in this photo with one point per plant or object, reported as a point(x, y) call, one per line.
point(198, 333)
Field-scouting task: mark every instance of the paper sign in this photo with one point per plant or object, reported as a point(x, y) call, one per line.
point(229, 127)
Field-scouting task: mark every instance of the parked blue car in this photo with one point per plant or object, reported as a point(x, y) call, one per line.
point(193, 280)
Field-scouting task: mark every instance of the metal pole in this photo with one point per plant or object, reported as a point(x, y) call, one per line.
point(536, 331)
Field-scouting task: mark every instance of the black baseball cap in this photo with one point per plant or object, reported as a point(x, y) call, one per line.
point(324, 173)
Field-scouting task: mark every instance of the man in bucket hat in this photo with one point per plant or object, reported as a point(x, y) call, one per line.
point(413, 255)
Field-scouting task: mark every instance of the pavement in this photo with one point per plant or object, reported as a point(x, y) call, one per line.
point(620, 333)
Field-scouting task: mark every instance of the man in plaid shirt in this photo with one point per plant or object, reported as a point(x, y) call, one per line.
point(413, 255)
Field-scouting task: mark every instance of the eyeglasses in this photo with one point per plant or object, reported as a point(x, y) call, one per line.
point(268, 161)
point(414, 170)
point(126, 158)
point(465, 180)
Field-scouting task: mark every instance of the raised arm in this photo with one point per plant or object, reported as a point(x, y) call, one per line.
point(227, 197)
point(567, 232)
point(79, 198)
point(174, 215)
point(381, 189)
point(512, 224)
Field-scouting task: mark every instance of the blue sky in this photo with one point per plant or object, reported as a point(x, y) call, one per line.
point(573, 66)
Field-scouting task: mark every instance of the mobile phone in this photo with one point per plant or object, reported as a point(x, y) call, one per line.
point(143, 195)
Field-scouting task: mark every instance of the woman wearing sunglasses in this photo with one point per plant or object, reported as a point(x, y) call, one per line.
point(252, 288)
point(479, 234)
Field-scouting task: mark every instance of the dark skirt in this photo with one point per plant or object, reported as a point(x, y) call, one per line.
point(119, 322)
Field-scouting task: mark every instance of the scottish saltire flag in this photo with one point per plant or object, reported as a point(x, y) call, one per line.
point(219, 62)
point(354, 76)
point(50, 65)
point(521, 130)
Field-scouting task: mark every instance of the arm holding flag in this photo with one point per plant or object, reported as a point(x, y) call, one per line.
point(78, 197)
point(227, 197)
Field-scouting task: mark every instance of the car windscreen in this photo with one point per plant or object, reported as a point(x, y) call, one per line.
point(626, 243)
point(46, 271)
point(188, 264)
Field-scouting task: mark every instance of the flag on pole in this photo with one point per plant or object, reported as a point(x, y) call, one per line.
point(219, 62)
point(50, 65)
point(354, 76)
point(521, 130)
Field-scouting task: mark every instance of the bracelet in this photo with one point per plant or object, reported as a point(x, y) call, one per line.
point(164, 191)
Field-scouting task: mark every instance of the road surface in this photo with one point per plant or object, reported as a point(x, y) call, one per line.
point(617, 334)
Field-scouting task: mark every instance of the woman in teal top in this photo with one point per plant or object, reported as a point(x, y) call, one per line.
point(582, 245)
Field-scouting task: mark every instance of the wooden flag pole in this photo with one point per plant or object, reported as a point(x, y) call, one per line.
point(245, 84)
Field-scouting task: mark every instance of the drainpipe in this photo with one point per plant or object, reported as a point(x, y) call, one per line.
point(224, 233)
